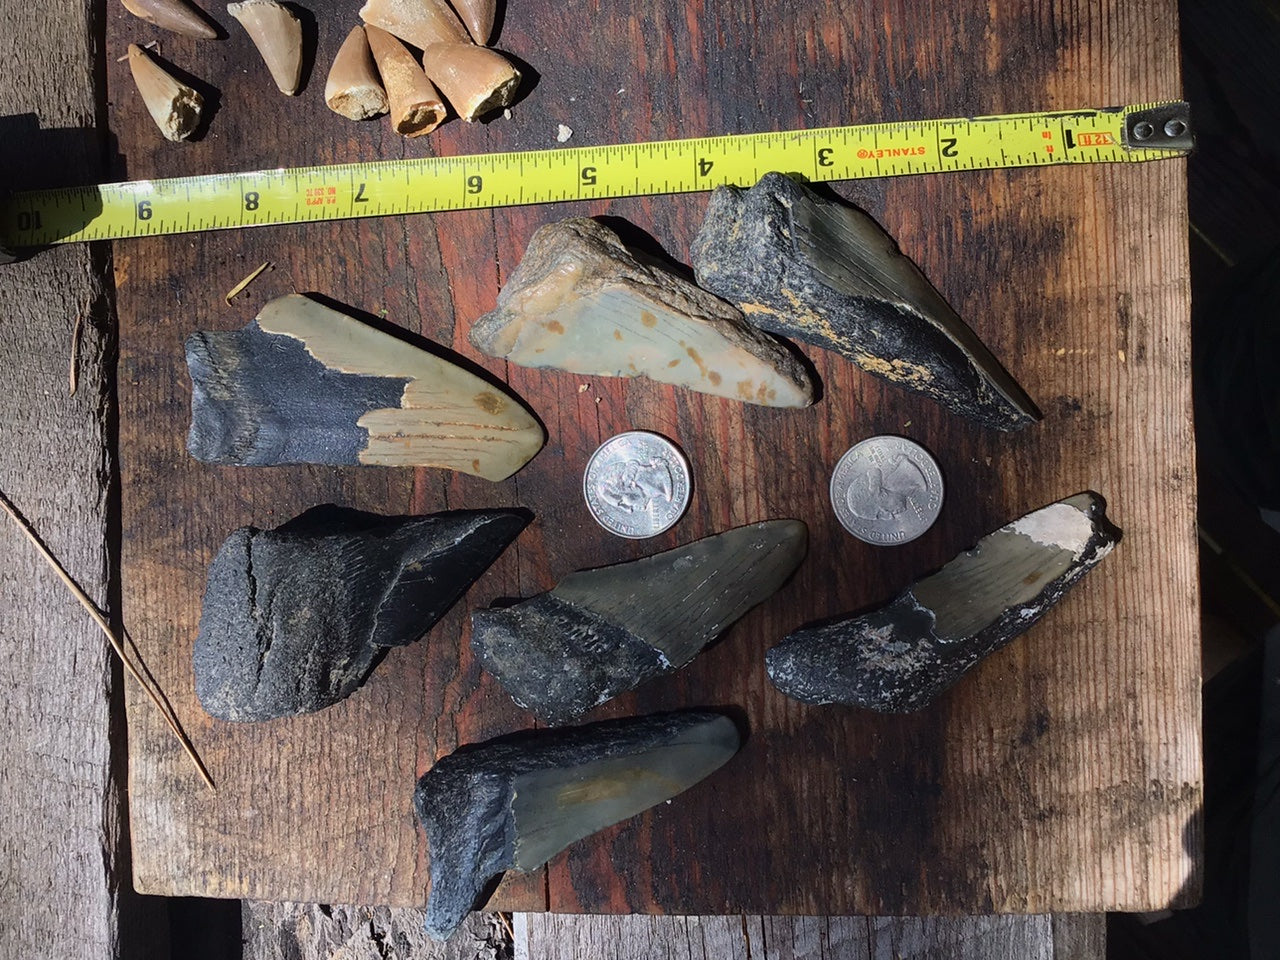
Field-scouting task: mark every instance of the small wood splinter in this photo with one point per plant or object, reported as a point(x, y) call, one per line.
point(239, 287)
point(153, 692)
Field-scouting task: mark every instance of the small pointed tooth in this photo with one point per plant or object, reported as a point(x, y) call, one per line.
point(602, 632)
point(826, 273)
point(581, 301)
point(419, 22)
point(277, 34)
point(902, 656)
point(473, 79)
point(353, 88)
point(173, 15)
point(415, 104)
point(478, 16)
point(174, 106)
point(517, 801)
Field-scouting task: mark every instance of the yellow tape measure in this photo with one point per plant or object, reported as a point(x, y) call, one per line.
point(432, 184)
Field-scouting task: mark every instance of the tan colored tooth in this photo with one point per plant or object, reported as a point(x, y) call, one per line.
point(277, 34)
point(416, 107)
point(174, 15)
point(353, 89)
point(478, 16)
point(174, 106)
point(419, 22)
point(473, 79)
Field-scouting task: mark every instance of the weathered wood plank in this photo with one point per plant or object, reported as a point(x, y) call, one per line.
point(1063, 774)
point(64, 888)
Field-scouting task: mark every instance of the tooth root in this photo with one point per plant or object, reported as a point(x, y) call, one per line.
point(277, 34)
point(174, 106)
point(173, 15)
point(902, 656)
point(478, 16)
point(306, 384)
point(602, 632)
point(353, 88)
point(419, 22)
point(515, 802)
point(416, 107)
point(295, 619)
point(580, 301)
point(475, 80)
point(828, 274)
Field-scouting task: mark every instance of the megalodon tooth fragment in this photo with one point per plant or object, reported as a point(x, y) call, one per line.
point(296, 618)
point(306, 384)
point(602, 632)
point(517, 801)
point(900, 657)
point(581, 301)
point(828, 274)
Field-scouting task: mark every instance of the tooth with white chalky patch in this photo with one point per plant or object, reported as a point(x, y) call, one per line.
point(602, 632)
point(902, 656)
point(517, 801)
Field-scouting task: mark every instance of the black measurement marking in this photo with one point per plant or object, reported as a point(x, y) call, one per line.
point(475, 183)
point(29, 220)
point(1071, 141)
point(251, 200)
point(949, 147)
point(360, 197)
point(144, 210)
point(824, 157)
point(588, 175)
point(704, 167)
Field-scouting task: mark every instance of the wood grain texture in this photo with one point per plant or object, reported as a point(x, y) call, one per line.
point(1036, 937)
point(1062, 775)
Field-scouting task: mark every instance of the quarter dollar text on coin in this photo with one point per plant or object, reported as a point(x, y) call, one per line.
point(637, 484)
point(887, 490)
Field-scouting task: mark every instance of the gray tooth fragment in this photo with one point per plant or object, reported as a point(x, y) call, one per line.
point(296, 618)
point(900, 657)
point(304, 383)
point(517, 801)
point(828, 274)
point(582, 301)
point(603, 632)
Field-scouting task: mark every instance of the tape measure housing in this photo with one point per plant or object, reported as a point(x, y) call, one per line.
point(434, 184)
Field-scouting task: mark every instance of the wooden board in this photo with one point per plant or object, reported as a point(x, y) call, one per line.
point(1063, 775)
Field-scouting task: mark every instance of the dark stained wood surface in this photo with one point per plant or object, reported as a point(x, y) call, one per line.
point(1063, 775)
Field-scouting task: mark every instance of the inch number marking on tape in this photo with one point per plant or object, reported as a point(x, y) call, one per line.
point(433, 184)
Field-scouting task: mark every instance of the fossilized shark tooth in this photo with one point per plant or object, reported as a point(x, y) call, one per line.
point(478, 15)
point(900, 657)
point(353, 88)
point(581, 301)
point(173, 105)
point(828, 274)
point(174, 15)
point(277, 34)
point(602, 632)
point(296, 618)
point(517, 801)
point(306, 384)
point(415, 105)
point(420, 22)
point(475, 80)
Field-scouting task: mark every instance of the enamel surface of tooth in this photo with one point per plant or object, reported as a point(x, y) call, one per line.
point(353, 88)
point(826, 273)
point(475, 80)
point(602, 632)
point(900, 657)
point(419, 22)
point(306, 384)
point(415, 106)
point(277, 34)
point(295, 619)
point(173, 15)
point(174, 106)
point(478, 16)
point(517, 801)
point(580, 301)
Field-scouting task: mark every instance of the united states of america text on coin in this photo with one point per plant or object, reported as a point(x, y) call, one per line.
point(887, 490)
point(636, 484)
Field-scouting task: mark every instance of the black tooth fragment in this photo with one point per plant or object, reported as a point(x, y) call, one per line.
point(602, 632)
point(517, 801)
point(902, 656)
point(294, 619)
point(826, 273)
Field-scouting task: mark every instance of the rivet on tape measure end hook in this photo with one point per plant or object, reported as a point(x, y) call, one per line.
point(1166, 126)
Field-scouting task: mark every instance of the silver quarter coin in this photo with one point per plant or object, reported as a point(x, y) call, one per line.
point(886, 490)
point(636, 484)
